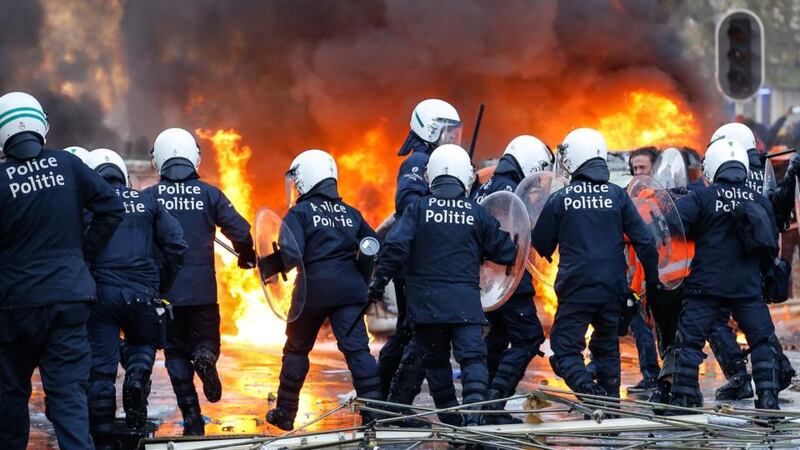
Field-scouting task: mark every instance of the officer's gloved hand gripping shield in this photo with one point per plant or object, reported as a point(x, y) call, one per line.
point(534, 191)
point(661, 217)
point(280, 265)
point(670, 169)
point(498, 282)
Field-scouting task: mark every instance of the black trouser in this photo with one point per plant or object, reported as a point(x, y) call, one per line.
point(193, 331)
point(300, 337)
point(514, 337)
point(666, 310)
point(53, 338)
point(400, 359)
point(469, 351)
point(567, 339)
point(698, 317)
point(143, 335)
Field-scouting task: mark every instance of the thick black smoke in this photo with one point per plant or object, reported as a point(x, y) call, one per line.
point(73, 121)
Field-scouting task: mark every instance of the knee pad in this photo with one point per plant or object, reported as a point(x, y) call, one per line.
point(141, 361)
point(102, 401)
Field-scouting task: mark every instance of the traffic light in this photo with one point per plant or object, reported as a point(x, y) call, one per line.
point(740, 54)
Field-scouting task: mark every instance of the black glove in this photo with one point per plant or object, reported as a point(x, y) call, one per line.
point(629, 308)
point(247, 258)
point(376, 288)
point(793, 169)
point(652, 289)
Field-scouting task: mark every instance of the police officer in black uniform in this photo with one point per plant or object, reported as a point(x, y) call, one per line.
point(515, 332)
point(444, 237)
point(193, 337)
point(586, 221)
point(327, 232)
point(726, 276)
point(730, 356)
point(129, 284)
point(46, 289)
point(433, 122)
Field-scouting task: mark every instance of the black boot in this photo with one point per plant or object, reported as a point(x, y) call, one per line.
point(768, 399)
point(135, 389)
point(193, 423)
point(497, 418)
point(786, 372)
point(206, 368)
point(281, 418)
point(738, 387)
point(684, 401)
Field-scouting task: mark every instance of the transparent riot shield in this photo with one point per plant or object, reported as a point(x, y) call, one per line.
point(499, 282)
point(280, 265)
point(534, 192)
point(670, 169)
point(770, 180)
point(662, 219)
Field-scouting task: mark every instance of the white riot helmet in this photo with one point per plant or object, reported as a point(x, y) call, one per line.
point(437, 122)
point(20, 112)
point(307, 170)
point(175, 143)
point(739, 132)
point(102, 156)
point(721, 151)
point(579, 146)
point(80, 152)
point(531, 154)
point(453, 160)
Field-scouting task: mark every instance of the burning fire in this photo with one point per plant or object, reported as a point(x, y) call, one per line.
point(242, 299)
point(649, 118)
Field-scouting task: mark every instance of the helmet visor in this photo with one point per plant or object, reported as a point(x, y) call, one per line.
point(451, 132)
point(292, 194)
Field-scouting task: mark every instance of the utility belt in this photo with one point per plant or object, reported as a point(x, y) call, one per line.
point(150, 318)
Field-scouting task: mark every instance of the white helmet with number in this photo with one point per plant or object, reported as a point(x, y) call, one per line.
point(175, 143)
point(102, 156)
point(530, 153)
point(452, 160)
point(579, 146)
point(721, 151)
point(437, 122)
point(307, 170)
point(739, 132)
point(80, 152)
point(20, 112)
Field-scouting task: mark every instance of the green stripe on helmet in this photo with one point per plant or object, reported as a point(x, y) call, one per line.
point(416, 116)
point(20, 116)
point(26, 109)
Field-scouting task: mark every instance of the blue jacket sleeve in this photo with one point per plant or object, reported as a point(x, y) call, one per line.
point(411, 185)
point(365, 230)
point(497, 244)
point(292, 239)
point(397, 245)
point(233, 225)
point(643, 242)
point(544, 236)
point(105, 206)
point(689, 208)
point(169, 238)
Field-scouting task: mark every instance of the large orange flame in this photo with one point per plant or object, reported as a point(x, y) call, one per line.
point(241, 296)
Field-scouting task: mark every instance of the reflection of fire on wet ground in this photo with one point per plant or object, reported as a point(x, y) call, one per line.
point(250, 375)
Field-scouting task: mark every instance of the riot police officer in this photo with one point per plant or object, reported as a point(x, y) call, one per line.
point(327, 232)
point(433, 122)
point(46, 289)
point(129, 288)
point(726, 272)
point(586, 221)
point(444, 237)
point(193, 337)
point(515, 332)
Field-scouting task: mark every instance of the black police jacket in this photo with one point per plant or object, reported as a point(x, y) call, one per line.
point(588, 222)
point(411, 184)
point(721, 267)
point(328, 231)
point(443, 241)
point(200, 208)
point(43, 242)
point(147, 238)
